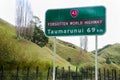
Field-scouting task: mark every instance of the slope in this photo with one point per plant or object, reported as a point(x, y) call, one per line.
point(22, 52)
point(74, 54)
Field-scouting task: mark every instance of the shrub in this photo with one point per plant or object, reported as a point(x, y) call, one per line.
point(108, 60)
point(39, 37)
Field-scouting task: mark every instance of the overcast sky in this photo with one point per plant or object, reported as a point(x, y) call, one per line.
point(39, 8)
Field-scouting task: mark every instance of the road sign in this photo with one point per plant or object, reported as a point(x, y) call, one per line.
point(76, 21)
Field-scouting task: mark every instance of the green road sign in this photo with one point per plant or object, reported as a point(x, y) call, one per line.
point(76, 21)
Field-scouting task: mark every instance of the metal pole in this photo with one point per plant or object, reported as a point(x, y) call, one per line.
point(54, 60)
point(80, 46)
point(96, 58)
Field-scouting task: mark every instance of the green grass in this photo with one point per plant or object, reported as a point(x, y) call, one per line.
point(7, 28)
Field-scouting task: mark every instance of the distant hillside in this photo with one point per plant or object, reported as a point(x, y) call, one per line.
point(101, 49)
point(112, 52)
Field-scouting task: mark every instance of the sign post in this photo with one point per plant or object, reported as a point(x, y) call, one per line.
point(96, 58)
point(54, 60)
point(76, 22)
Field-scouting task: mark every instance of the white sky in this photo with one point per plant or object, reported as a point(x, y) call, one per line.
point(7, 12)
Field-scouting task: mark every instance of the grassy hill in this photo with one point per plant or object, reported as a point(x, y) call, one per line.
point(112, 52)
point(22, 52)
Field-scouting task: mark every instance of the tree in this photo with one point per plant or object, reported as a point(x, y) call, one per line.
point(37, 21)
point(39, 37)
point(24, 15)
point(84, 42)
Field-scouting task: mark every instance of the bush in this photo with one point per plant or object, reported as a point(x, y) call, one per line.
point(39, 37)
point(69, 59)
point(108, 60)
